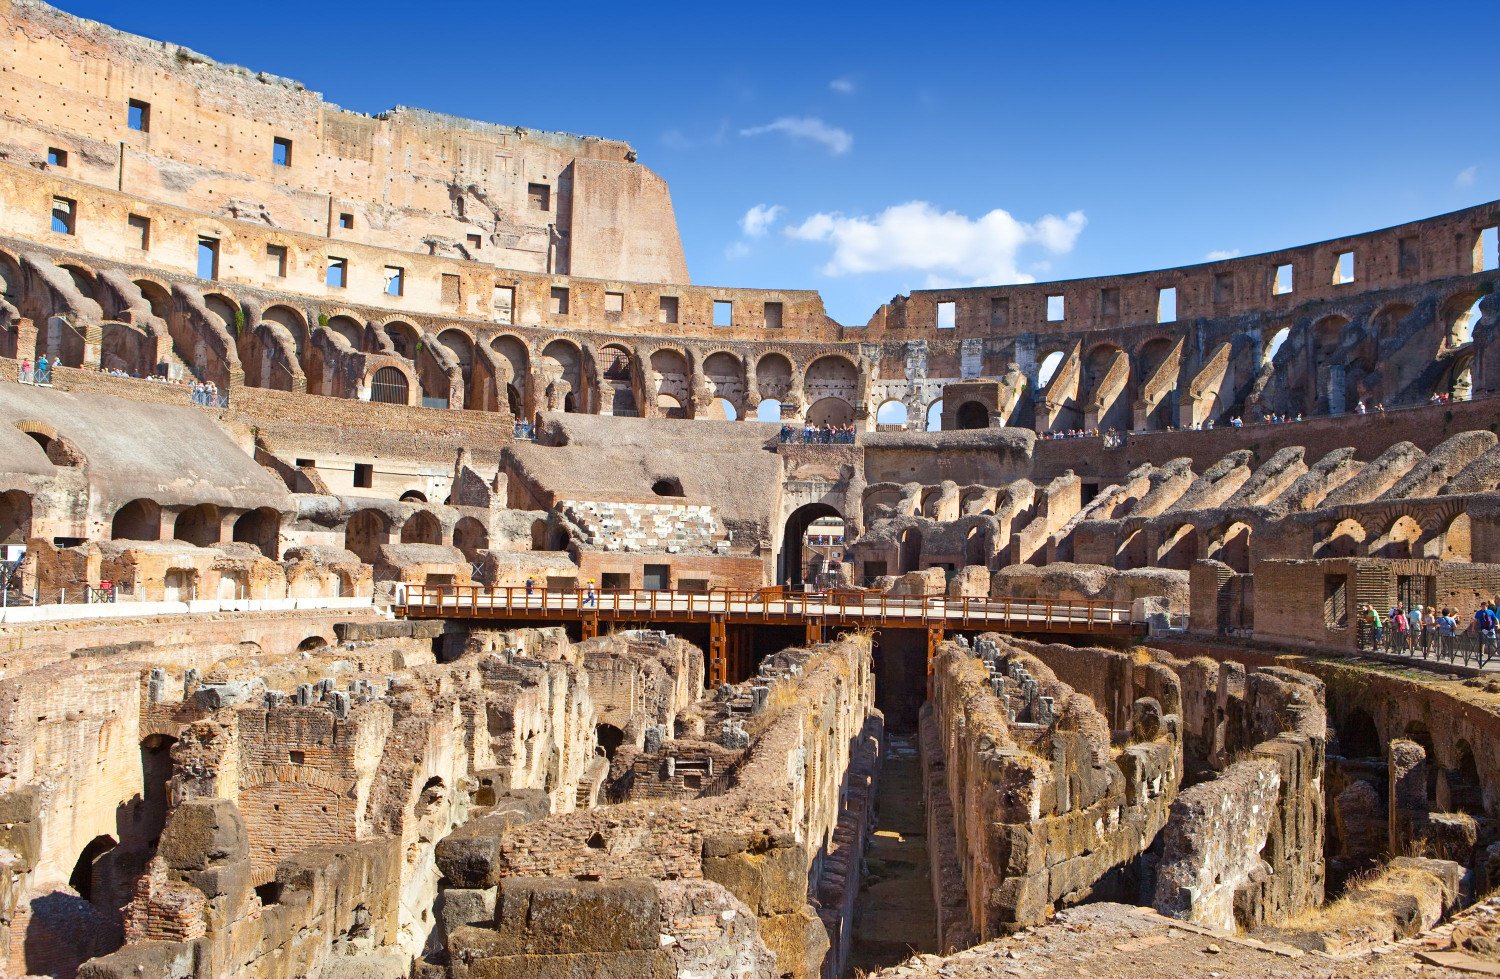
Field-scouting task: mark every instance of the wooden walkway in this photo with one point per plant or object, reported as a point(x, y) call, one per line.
point(815, 613)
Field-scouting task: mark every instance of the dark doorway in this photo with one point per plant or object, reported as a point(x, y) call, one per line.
point(794, 540)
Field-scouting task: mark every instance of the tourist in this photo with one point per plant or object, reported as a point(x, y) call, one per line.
point(1398, 630)
point(43, 370)
point(1377, 629)
point(530, 584)
point(26, 371)
point(590, 598)
point(1429, 629)
point(1359, 407)
point(1447, 627)
point(1484, 626)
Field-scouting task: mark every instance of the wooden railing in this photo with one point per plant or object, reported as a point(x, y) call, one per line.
point(768, 604)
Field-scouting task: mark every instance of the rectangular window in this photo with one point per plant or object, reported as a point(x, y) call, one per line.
point(947, 316)
point(559, 301)
point(614, 304)
point(1000, 311)
point(1282, 283)
point(338, 273)
point(773, 316)
point(1336, 601)
point(307, 463)
point(1409, 255)
point(281, 152)
point(138, 116)
point(395, 280)
point(615, 580)
point(1487, 250)
point(656, 577)
point(1343, 268)
point(64, 211)
point(346, 220)
point(364, 475)
point(296, 757)
point(140, 228)
point(723, 313)
point(1056, 309)
point(475, 243)
point(539, 196)
point(668, 310)
point(208, 257)
point(1166, 305)
point(56, 157)
point(276, 261)
point(1109, 302)
point(1223, 288)
point(450, 292)
point(505, 304)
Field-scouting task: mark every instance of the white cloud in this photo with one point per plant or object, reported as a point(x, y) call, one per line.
point(951, 248)
point(736, 250)
point(844, 85)
point(1466, 176)
point(758, 220)
point(1219, 254)
point(837, 141)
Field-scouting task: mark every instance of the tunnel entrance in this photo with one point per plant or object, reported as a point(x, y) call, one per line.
point(827, 544)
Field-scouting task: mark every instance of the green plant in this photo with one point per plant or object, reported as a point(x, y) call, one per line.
point(322, 319)
point(239, 320)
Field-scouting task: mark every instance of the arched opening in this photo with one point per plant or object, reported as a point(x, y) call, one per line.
point(669, 407)
point(608, 738)
point(1179, 549)
point(831, 376)
point(1358, 737)
point(1418, 732)
point(892, 414)
point(798, 555)
point(1457, 542)
point(1158, 387)
point(1131, 552)
point(1462, 315)
point(82, 879)
point(831, 411)
point(60, 452)
point(261, 528)
point(422, 528)
point(617, 395)
point(413, 496)
point(350, 329)
point(1346, 539)
point(909, 551)
point(158, 298)
point(773, 378)
point(674, 380)
point(389, 386)
point(15, 518)
point(198, 525)
point(769, 410)
point(1465, 789)
point(366, 533)
point(470, 536)
point(10, 280)
point(83, 280)
point(1400, 541)
point(724, 374)
point(1048, 370)
point(1106, 378)
point(667, 486)
point(1278, 339)
point(719, 410)
point(935, 416)
point(295, 324)
point(561, 376)
point(311, 643)
point(156, 774)
point(461, 346)
point(136, 520)
point(971, 415)
point(1233, 548)
point(1459, 384)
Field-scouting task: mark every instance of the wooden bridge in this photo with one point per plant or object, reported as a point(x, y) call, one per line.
point(722, 609)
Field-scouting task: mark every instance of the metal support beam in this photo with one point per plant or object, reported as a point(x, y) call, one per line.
point(934, 640)
point(718, 653)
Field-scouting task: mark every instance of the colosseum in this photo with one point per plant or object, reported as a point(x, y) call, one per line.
point(406, 571)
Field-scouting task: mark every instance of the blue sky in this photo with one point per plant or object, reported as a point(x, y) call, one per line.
point(879, 140)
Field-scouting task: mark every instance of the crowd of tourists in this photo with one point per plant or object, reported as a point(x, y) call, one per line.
point(526, 431)
point(38, 373)
point(1430, 631)
point(811, 434)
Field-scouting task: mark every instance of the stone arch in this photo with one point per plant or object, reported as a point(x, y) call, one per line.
point(1460, 314)
point(1160, 409)
point(561, 370)
point(471, 537)
point(972, 415)
point(1457, 541)
point(1106, 378)
point(198, 525)
point(514, 362)
point(1400, 540)
point(389, 385)
point(461, 345)
point(1178, 548)
point(673, 377)
point(892, 412)
point(15, 517)
point(1418, 732)
point(830, 411)
point(1131, 552)
point(405, 338)
point(793, 535)
point(60, 452)
point(935, 416)
point(1273, 349)
point(82, 879)
point(158, 297)
point(83, 279)
point(724, 374)
point(293, 320)
point(262, 528)
point(773, 377)
point(1358, 736)
point(619, 386)
point(909, 551)
point(136, 520)
point(1344, 539)
point(422, 527)
point(350, 329)
point(1048, 368)
point(1232, 546)
point(667, 406)
point(1458, 380)
point(832, 376)
point(413, 496)
point(366, 533)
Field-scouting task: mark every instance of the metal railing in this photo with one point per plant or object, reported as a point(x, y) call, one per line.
point(848, 606)
point(1465, 648)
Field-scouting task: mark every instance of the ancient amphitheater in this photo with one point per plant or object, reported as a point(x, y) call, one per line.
point(408, 572)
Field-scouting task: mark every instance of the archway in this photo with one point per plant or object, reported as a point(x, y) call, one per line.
point(198, 525)
point(1048, 369)
point(1233, 547)
point(1178, 549)
point(1344, 540)
point(972, 415)
point(831, 411)
point(389, 386)
point(773, 377)
point(422, 528)
point(935, 416)
point(669, 407)
point(366, 533)
point(1418, 732)
point(832, 376)
point(719, 410)
point(156, 774)
point(617, 393)
point(1273, 349)
point(1462, 314)
point(261, 528)
point(724, 374)
point(82, 878)
point(673, 377)
point(795, 550)
point(769, 410)
point(1400, 541)
point(1457, 540)
point(608, 738)
point(1358, 736)
point(136, 520)
point(413, 496)
point(892, 413)
point(562, 377)
point(470, 537)
point(350, 329)
point(15, 517)
point(461, 346)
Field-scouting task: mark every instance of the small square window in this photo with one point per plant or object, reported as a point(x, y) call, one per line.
point(208, 257)
point(1343, 269)
point(296, 757)
point(1056, 309)
point(1166, 305)
point(338, 273)
point(475, 243)
point(364, 475)
point(559, 301)
point(668, 310)
point(346, 220)
point(140, 228)
point(540, 196)
point(1000, 311)
point(64, 213)
point(281, 152)
point(505, 304)
point(1109, 302)
point(1223, 288)
point(614, 303)
point(723, 312)
point(451, 292)
point(56, 157)
point(773, 316)
point(395, 281)
point(138, 116)
point(947, 316)
point(276, 261)
point(1282, 283)
point(307, 463)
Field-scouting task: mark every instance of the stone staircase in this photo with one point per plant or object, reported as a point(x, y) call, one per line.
point(669, 527)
